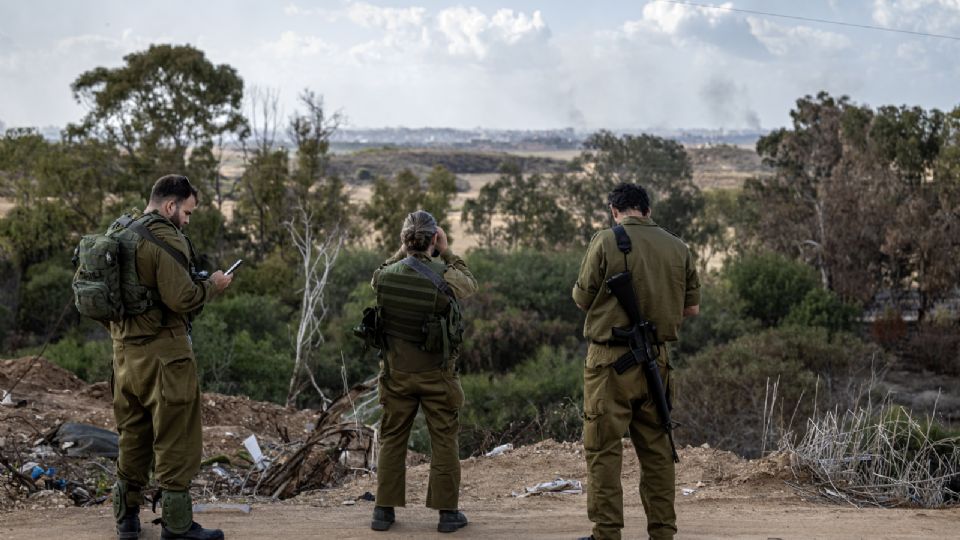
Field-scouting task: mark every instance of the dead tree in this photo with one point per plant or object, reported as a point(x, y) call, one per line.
point(318, 252)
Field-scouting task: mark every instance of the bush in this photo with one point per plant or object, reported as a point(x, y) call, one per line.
point(770, 285)
point(541, 398)
point(92, 361)
point(934, 348)
point(239, 360)
point(721, 319)
point(529, 280)
point(723, 391)
point(45, 294)
point(821, 307)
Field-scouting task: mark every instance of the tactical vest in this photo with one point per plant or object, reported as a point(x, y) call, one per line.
point(106, 285)
point(413, 309)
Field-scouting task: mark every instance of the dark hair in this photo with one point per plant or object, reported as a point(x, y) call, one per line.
point(626, 196)
point(418, 230)
point(173, 185)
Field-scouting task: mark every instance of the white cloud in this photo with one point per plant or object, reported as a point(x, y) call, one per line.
point(693, 26)
point(471, 34)
point(370, 16)
point(293, 45)
point(672, 18)
point(783, 40)
point(933, 16)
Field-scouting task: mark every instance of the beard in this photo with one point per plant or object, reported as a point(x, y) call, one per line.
point(175, 218)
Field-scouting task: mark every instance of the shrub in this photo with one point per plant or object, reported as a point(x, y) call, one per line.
point(541, 398)
point(92, 361)
point(45, 293)
point(233, 361)
point(723, 392)
point(821, 307)
point(770, 285)
point(721, 319)
point(934, 348)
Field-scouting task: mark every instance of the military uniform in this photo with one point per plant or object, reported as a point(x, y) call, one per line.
point(156, 397)
point(411, 378)
point(665, 280)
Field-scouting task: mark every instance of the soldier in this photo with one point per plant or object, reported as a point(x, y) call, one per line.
point(156, 398)
point(668, 289)
point(419, 301)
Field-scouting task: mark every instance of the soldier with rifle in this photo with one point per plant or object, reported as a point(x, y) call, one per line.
point(636, 284)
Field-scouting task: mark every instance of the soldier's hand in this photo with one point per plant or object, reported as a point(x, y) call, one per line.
point(220, 280)
point(442, 244)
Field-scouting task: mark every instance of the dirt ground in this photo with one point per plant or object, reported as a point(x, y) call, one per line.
point(719, 495)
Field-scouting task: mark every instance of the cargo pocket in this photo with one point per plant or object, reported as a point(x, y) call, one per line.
point(594, 394)
point(455, 395)
point(592, 416)
point(178, 381)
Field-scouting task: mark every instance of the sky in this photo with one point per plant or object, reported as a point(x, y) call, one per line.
point(507, 64)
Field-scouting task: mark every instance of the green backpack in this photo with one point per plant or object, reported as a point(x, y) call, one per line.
point(106, 286)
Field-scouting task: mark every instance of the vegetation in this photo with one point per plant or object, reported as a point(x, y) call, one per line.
point(852, 201)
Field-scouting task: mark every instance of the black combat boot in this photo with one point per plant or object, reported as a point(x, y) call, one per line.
point(451, 520)
point(383, 518)
point(195, 532)
point(128, 527)
point(127, 498)
point(178, 516)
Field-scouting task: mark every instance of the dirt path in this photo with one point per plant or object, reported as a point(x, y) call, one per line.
point(543, 518)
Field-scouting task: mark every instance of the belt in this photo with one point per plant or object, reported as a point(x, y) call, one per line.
point(618, 343)
point(609, 343)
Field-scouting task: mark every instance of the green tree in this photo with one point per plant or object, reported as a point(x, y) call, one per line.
point(659, 165)
point(393, 200)
point(770, 285)
point(518, 210)
point(161, 104)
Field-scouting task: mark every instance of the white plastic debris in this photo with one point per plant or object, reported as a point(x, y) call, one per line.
point(499, 450)
point(349, 503)
point(560, 485)
point(6, 399)
point(687, 491)
point(252, 446)
point(221, 507)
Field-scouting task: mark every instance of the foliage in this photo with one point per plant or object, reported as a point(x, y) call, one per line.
point(726, 393)
point(823, 308)
point(46, 293)
point(659, 165)
point(160, 103)
point(541, 398)
point(393, 200)
point(524, 302)
point(518, 210)
point(770, 285)
point(722, 319)
point(241, 346)
point(868, 197)
point(91, 360)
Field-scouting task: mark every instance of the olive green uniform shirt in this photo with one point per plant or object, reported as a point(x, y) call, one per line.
point(664, 278)
point(179, 295)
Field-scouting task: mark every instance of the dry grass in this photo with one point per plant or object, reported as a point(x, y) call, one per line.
point(879, 455)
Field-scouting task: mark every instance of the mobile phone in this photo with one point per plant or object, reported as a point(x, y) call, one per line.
point(234, 266)
point(436, 253)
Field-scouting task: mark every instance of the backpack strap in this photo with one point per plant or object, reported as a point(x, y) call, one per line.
point(623, 242)
point(145, 233)
point(434, 278)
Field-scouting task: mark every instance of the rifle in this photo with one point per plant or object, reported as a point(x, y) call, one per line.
point(641, 337)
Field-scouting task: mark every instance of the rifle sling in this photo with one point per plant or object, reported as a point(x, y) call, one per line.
point(426, 272)
point(146, 234)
